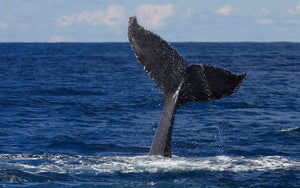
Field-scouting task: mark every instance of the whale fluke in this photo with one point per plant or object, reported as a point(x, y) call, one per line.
point(178, 82)
point(163, 64)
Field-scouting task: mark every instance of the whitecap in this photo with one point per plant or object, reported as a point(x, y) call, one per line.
point(140, 164)
point(290, 129)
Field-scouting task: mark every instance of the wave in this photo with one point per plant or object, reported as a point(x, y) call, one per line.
point(90, 164)
point(295, 129)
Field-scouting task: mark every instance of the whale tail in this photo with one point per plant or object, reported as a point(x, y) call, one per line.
point(178, 82)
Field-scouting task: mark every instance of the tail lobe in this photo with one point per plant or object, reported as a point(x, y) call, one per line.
point(162, 63)
point(205, 83)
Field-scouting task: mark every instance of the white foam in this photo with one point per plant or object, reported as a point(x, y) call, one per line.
point(140, 164)
point(289, 129)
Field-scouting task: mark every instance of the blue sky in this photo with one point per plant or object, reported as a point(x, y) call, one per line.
point(174, 20)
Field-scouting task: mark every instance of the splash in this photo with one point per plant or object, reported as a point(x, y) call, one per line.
point(140, 164)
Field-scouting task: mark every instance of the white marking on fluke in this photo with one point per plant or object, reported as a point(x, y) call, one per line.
point(176, 94)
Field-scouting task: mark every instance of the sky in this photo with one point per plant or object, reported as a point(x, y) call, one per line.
point(173, 20)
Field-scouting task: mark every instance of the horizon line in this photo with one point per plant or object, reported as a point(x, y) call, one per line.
point(283, 41)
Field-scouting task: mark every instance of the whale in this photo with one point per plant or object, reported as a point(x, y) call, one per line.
point(178, 82)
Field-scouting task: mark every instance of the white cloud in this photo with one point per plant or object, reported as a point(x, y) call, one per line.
point(265, 21)
point(188, 13)
point(296, 10)
point(111, 17)
point(226, 10)
point(3, 25)
point(291, 11)
point(265, 11)
point(114, 15)
point(155, 15)
point(66, 21)
point(90, 17)
point(59, 38)
point(264, 16)
point(294, 21)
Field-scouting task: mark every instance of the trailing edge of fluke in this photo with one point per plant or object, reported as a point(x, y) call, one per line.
point(178, 82)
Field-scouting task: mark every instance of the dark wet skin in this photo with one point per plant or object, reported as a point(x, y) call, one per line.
point(178, 82)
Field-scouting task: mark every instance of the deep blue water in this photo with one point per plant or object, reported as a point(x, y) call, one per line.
point(84, 114)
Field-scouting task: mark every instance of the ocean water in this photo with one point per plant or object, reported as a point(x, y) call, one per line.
point(84, 115)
